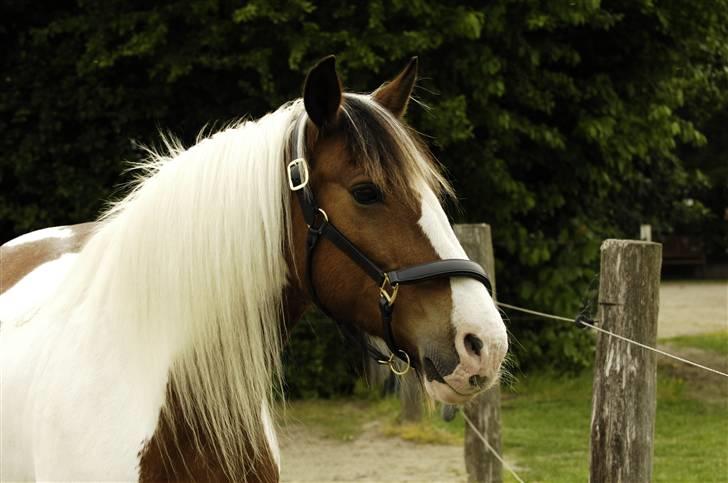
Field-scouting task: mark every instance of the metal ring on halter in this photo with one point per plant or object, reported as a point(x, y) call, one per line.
point(391, 363)
point(324, 220)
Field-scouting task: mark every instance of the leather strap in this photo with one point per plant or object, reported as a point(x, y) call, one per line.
point(345, 245)
point(453, 267)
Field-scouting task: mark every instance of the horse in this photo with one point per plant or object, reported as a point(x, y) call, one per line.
point(147, 345)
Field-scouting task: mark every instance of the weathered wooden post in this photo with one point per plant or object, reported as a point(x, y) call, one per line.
point(410, 398)
point(646, 232)
point(623, 398)
point(484, 410)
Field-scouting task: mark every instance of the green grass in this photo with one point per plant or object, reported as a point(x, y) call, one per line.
point(546, 430)
point(346, 419)
point(546, 424)
point(691, 442)
point(716, 342)
point(339, 419)
point(546, 427)
point(431, 430)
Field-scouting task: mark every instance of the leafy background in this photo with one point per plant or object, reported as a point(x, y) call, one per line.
point(561, 123)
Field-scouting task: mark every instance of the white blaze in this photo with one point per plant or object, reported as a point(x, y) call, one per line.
point(473, 309)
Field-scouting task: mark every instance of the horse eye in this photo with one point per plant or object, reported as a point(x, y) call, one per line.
point(366, 194)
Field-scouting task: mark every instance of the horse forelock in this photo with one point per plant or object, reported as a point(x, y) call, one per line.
point(389, 151)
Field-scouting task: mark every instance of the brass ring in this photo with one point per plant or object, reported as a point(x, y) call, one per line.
point(393, 368)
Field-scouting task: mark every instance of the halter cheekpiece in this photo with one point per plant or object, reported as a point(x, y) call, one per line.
point(319, 226)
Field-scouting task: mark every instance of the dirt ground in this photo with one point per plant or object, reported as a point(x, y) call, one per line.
point(686, 308)
point(694, 307)
point(370, 457)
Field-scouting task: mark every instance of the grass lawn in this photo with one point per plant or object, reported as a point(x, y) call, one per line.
point(546, 422)
point(546, 431)
point(716, 342)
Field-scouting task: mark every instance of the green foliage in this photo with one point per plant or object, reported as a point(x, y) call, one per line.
point(701, 211)
point(561, 123)
point(318, 361)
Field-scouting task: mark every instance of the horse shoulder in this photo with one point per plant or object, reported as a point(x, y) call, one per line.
point(31, 266)
point(21, 256)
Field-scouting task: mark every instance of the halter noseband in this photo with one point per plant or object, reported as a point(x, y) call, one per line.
point(319, 226)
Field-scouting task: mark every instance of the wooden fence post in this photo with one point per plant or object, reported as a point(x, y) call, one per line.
point(623, 398)
point(410, 398)
point(484, 410)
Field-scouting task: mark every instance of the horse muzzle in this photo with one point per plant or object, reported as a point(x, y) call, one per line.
point(455, 376)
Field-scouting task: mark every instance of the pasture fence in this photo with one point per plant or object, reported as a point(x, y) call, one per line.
point(624, 388)
point(590, 324)
point(625, 381)
point(483, 434)
point(492, 450)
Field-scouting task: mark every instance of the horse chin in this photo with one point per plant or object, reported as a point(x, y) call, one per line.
point(446, 394)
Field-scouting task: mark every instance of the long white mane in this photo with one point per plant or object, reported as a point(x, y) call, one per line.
point(191, 265)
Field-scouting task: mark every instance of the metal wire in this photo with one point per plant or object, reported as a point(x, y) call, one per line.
point(533, 312)
point(491, 449)
point(677, 358)
point(604, 331)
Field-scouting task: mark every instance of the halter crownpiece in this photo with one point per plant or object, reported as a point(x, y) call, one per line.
point(319, 225)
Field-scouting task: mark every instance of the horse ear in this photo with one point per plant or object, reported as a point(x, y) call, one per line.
point(395, 95)
point(322, 92)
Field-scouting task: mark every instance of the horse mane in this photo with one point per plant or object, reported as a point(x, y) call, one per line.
point(192, 262)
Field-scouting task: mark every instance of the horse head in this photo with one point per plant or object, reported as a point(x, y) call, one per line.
point(369, 235)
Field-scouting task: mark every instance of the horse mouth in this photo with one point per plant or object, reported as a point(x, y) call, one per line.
point(438, 388)
point(431, 371)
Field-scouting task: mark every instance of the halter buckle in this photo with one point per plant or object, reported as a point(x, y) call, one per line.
point(390, 297)
point(393, 365)
point(300, 179)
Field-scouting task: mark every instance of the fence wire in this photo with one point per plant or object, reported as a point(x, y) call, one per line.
point(586, 323)
point(491, 449)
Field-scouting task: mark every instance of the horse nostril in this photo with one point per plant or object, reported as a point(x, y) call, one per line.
point(477, 381)
point(473, 344)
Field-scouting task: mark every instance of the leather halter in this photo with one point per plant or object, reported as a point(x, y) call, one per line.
point(319, 226)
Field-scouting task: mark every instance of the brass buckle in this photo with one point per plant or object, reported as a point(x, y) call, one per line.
point(303, 169)
point(393, 365)
point(389, 297)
